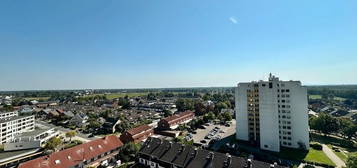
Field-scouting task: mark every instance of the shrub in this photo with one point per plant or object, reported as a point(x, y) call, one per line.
point(316, 146)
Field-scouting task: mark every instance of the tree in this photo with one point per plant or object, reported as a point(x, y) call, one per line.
point(53, 143)
point(166, 113)
point(352, 161)
point(200, 108)
point(324, 123)
point(227, 116)
point(184, 104)
point(71, 134)
point(209, 117)
point(220, 105)
point(128, 151)
point(94, 125)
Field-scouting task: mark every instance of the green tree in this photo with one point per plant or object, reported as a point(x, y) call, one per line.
point(324, 123)
point(219, 106)
point(128, 151)
point(200, 108)
point(227, 116)
point(71, 134)
point(166, 113)
point(352, 161)
point(53, 143)
point(209, 117)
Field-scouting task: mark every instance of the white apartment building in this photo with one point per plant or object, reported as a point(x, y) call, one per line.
point(13, 125)
point(272, 114)
point(8, 114)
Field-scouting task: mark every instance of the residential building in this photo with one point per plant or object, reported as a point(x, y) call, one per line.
point(156, 153)
point(4, 115)
point(137, 134)
point(10, 127)
point(272, 114)
point(172, 122)
point(31, 140)
point(88, 154)
point(79, 119)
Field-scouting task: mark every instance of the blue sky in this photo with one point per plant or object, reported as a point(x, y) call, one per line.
point(51, 44)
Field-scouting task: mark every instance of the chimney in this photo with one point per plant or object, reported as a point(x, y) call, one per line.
point(228, 161)
point(249, 163)
point(209, 158)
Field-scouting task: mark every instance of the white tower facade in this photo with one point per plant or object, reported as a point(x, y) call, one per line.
point(272, 114)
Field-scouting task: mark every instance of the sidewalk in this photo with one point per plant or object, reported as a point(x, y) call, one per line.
point(334, 158)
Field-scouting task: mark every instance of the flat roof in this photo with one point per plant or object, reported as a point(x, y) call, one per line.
point(13, 118)
point(37, 131)
point(9, 154)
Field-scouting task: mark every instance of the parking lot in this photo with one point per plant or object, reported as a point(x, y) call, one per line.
point(222, 132)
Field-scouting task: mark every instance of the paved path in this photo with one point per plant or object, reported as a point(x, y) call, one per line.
point(333, 156)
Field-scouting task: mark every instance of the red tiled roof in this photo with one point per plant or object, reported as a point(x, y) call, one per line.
point(177, 116)
point(75, 155)
point(139, 129)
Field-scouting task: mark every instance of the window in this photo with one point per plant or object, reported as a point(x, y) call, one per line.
point(270, 85)
point(263, 84)
point(287, 90)
point(266, 146)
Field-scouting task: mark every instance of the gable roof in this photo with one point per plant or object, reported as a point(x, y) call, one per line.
point(188, 156)
point(172, 118)
point(75, 155)
point(139, 129)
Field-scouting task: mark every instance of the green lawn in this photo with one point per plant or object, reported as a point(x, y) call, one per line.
point(118, 95)
point(342, 144)
point(315, 97)
point(312, 155)
point(339, 98)
point(36, 98)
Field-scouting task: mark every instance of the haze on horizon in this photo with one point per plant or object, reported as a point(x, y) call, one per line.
point(116, 44)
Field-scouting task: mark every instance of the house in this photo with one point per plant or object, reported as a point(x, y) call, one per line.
point(172, 122)
point(88, 154)
point(137, 134)
point(79, 119)
point(69, 114)
point(162, 153)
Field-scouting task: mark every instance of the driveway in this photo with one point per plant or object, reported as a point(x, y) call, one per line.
point(335, 159)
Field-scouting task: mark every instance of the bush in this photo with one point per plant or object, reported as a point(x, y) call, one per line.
point(316, 146)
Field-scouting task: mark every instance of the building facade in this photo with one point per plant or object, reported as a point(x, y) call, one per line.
point(272, 114)
point(12, 126)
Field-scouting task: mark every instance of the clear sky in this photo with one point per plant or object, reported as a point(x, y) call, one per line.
point(72, 44)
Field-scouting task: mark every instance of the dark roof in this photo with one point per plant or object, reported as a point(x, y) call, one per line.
point(191, 157)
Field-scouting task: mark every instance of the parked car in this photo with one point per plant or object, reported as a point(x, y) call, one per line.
point(203, 141)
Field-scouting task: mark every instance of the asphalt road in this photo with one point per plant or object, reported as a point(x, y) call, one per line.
point(201, 133)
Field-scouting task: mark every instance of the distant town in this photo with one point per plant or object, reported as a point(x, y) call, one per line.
point(267, 123)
